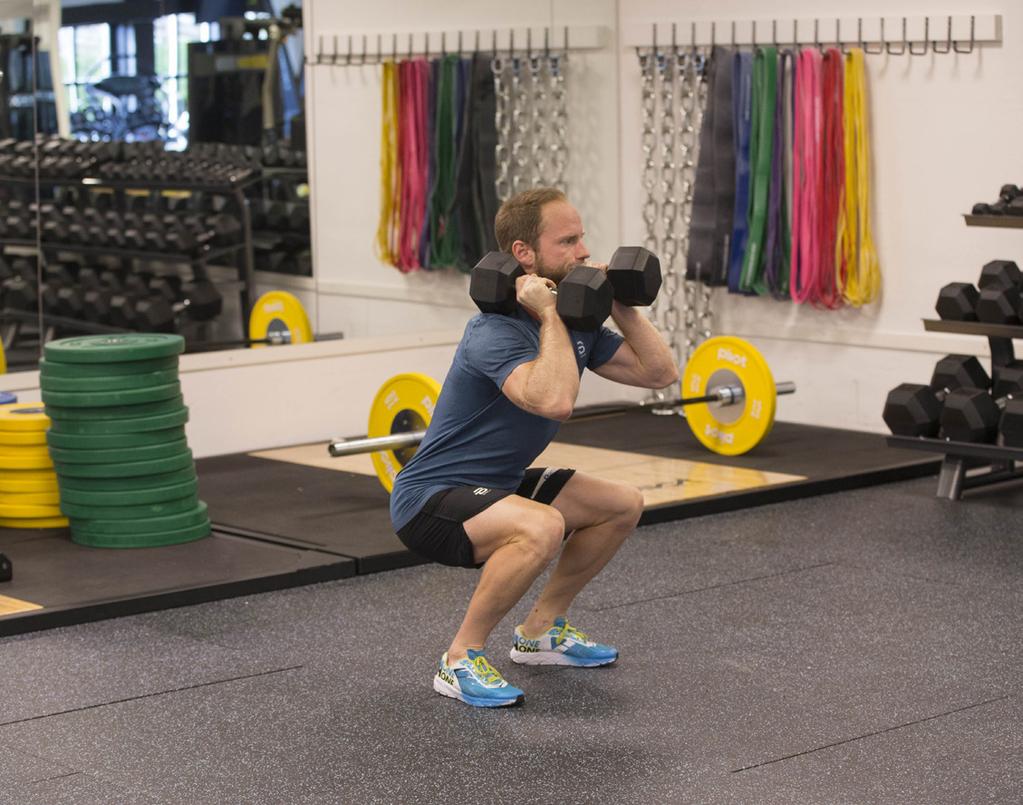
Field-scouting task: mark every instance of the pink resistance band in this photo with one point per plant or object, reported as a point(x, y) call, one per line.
point(806, 175)
point(413, 77)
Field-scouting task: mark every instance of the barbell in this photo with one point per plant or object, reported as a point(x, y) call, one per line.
point(730, 408)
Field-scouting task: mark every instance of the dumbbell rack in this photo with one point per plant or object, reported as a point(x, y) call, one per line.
point(998, 221)
point(246, 272)
point(1000, 462)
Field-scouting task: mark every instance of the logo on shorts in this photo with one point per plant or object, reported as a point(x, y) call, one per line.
point(580, 347)
point(481, 490)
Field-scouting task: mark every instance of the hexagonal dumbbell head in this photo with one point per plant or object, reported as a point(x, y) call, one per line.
point(1010, 424)
point(969, 415)
point(959, 371)
point(998, 305)
point(1000, 274)
point(635, 275)
point(1008, 380)
point(957, 301)
point(492, 285)
point(584, 298)
point(203, 302)
point(912, 409)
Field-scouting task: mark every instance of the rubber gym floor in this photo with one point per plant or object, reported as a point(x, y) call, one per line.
point(851, 641)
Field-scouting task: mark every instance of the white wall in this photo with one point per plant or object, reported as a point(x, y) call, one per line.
point(945, 133)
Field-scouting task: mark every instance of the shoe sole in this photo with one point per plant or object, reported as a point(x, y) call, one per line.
point(555, 658)
point(445, 689)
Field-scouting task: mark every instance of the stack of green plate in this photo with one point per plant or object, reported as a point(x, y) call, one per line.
point(28, 485)
point(117, 439)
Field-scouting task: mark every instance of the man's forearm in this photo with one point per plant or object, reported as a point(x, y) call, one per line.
point(648, 344)
point(554, 379)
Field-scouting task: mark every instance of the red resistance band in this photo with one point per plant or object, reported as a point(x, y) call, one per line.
point(828, 292)
point(413, 85)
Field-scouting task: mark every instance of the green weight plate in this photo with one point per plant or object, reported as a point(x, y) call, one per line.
point(127, 469)
point(80, 511)
point(115, 411)
point(129, 497)
point(105, 384)
point(118, 455)
point(122, 484)
point(53, 369)
point(104, 441)
point(114, 348)
point(153, 540)
point(105, 399)
point(196, 515)
point(110, 427)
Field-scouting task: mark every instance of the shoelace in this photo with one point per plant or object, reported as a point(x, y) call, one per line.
point(569, 631)
point(487, 673)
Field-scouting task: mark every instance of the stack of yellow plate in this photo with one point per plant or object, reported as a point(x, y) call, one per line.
point(28, 484)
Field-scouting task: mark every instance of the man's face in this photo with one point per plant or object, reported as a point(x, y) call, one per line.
point(560, 245)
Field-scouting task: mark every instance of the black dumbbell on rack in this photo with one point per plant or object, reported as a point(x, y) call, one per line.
point(914, 409)
point(1010, 202)
point(997, 302)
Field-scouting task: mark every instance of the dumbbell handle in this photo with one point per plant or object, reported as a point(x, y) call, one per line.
point(726, 395)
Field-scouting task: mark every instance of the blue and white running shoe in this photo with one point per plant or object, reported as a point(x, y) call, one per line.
point(475, 681)
point(562, 644)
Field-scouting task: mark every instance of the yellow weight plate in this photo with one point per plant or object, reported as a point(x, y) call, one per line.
point(403, 404)
point(28, 482)
point(3, 360)
point(25, 458)
point(21, 438)
point(50, 498)
point(24, 416)
point(279, 314)
point(39, 522)
point(28, 511)
point(735, 429)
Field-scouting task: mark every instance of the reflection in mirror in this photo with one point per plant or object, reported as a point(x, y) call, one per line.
point(172, 187)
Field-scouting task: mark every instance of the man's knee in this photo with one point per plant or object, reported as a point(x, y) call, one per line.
point(631, 505)
point(543, 533)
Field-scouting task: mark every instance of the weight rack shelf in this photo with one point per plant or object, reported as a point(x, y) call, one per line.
point(167, 257)
point(997, 221)
point(974, 328)
point(963, 456)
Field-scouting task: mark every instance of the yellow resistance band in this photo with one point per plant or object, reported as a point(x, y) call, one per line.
point(390, 201)
point(859, 275)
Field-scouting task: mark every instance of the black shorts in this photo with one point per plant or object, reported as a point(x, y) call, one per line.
point(437, 533)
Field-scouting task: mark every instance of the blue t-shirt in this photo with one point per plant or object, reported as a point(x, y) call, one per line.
point(477, 436)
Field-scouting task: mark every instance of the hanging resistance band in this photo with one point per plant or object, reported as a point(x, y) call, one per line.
point(443, 227)
point(765, 75)
point(390, 206)
point(777, 243)
point(477, 196)
point(806, 177)
point(742, 79)
point(714, 186)
point(413, 81)
point(827, 293)
point(856, 254)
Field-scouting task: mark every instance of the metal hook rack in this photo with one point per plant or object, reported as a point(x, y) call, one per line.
point(555, 38)
point(938, 34)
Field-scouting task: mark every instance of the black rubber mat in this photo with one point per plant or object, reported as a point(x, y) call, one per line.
point(74, 584)
point(346, 513)
point(336, 512)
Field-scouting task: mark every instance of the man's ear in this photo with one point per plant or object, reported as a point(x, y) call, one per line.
point(524, 254)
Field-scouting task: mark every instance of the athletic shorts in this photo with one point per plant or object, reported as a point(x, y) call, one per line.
point(436, 532)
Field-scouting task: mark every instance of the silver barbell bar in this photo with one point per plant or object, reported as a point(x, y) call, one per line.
point(722, 395)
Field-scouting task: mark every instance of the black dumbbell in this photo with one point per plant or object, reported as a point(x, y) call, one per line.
point(973, 415)
point(914, 409)
point(957, 301)
point(123, 301)
point(96, 299)
point(19, 293)
point(584, 295)
point(200, 301)
point(999, 299)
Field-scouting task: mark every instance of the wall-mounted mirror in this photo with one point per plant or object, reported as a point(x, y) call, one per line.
point(166, 162)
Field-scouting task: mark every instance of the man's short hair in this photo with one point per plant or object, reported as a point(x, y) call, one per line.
point(521, 217)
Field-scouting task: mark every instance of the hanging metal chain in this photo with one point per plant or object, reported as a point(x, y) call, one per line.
point(648, 142)
point(502, 122)
point(559, 121)
point(705, 312)
point(690, 120)
point(519, 129)
point(539, 117)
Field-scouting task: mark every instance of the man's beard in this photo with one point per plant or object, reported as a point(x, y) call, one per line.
point(554, 273)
